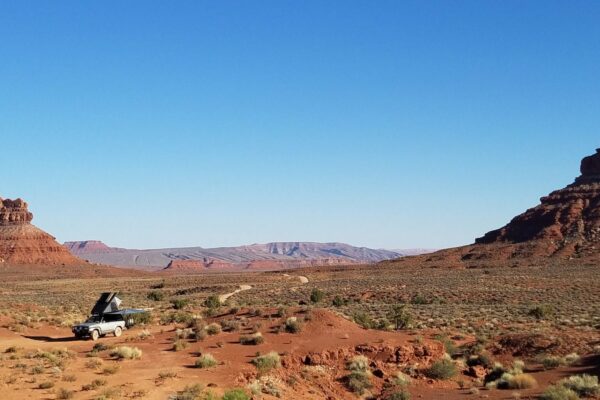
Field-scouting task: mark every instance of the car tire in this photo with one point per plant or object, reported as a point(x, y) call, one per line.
point(118, 331)
point(95, 335)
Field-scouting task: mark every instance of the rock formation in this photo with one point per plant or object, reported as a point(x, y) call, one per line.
point(23, 243)
point(565, 225)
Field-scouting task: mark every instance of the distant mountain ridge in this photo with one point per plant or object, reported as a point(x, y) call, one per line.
point(277, 252)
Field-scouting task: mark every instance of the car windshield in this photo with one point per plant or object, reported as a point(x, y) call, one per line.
point(94, 318)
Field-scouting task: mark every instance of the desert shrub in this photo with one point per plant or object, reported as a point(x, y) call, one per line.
point(400, 316)
point(441, 369)
point(64, 394)
point(358, 382)
point(179, 345)
point(205, 361)
point(200, 335)
point(231, 325)
point(213, 329)
point(155, 295)
point(69, 378)
point(358, 364)
point(46, 385)
point(292, 325)
point(551, 362)
point(252, 340)
point(109, 393)
point(212, 302)
point(316, 295)
point(540, 311)
point(184, 333)
point(363, 319)
point(158, 285)
point(401, 395)
point(339, 302)
point(180, 304)
point(142, 318)
point(571, 359)
point(95, 384)
point(401, 379)
point(180, 317)
point(37, 369)
point(449, 345)
point(419, 299)
point(267, 362)
point(111, 369)
point(558, 392)
point(236, 394)
point(281, 312)
point(516, 381)
point(190, 392)
point(584, 385)
point(480, 359)
point(126, 353)
point(94, 363)
point(167, 374)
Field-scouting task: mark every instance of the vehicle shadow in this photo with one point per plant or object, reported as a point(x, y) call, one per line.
point(51, 339)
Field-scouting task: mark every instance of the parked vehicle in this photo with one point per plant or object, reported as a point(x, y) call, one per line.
point(106, 318)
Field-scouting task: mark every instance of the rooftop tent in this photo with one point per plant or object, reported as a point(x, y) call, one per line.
point(108, 302)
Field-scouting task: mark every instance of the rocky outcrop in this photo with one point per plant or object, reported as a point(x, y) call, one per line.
point(87, 246)
point(14, 212)
point(22, 243)
point(565, 224)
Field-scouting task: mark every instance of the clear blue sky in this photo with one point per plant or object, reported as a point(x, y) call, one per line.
point(381, 123)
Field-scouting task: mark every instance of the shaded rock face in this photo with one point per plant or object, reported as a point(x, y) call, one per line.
point(22, 243)
point(14, 212)
point(566, 223)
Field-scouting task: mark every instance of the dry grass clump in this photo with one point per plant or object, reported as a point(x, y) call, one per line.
point(252, 340)
point(267, 362)
point(292, 325)
point(442, 369)
point(205, 361)
point(64, 394)
point(359, 378)
point(95, 384)
point(179, 345)
point(213, 329)
point(126, 353)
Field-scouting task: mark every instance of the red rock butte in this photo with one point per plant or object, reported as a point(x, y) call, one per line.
point(22, 243)
point(565, 225)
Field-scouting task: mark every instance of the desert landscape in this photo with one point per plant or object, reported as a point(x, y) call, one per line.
point(514, 315)
point(300, 200)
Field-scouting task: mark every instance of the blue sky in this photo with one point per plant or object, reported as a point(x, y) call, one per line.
point(388, 124)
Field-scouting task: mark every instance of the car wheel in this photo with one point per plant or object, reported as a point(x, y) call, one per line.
point(95, 335)
point(118, 331)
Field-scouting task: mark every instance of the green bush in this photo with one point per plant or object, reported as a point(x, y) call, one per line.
point(363, 319)
point(142, 318)
point(541, 311)
point(267, 362)
point(155, 295)
point(236, 394)
point(401, 395)
point(339, 302)
point(180, 304)
point(316, 296)
point(584, 385)
point(441, 369)
point(558, 392)
point(358, 382)
point(400, 317)
point(212, 302)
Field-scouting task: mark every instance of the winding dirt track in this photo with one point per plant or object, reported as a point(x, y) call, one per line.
point(223, 298)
